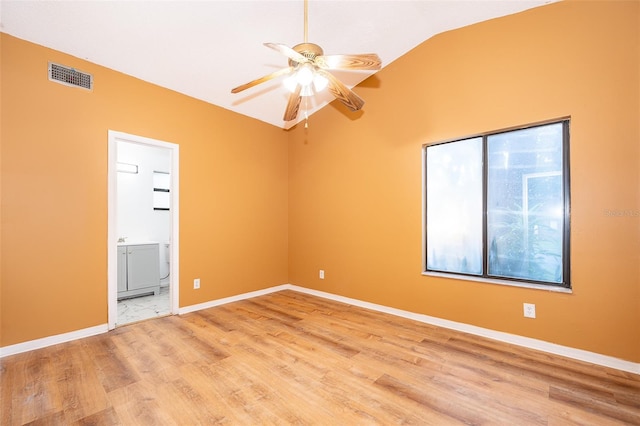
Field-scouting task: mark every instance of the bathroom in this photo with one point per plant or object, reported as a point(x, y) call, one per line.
point(144, 231)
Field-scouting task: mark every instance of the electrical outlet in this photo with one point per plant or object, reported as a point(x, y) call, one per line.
point(196, 283)
point(529, 310)
point(321, 274)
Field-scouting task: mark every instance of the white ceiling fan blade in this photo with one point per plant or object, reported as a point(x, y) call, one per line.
point(367, 61)
point(293, 105)
point(288, 52)
point(260, 80)
point(342, 92)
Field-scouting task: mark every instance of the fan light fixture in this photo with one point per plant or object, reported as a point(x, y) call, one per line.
point(309, 81)
point(308, 73)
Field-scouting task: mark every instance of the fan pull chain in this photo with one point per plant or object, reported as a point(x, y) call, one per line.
point(306, 112)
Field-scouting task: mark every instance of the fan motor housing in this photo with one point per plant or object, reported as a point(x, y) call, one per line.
point(308, 50)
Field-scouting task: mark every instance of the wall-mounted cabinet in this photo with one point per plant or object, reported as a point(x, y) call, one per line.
point(138, 270)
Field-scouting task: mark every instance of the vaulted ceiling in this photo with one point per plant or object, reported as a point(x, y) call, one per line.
point(204, 48)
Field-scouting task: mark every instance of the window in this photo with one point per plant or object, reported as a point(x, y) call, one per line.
point(497, 205)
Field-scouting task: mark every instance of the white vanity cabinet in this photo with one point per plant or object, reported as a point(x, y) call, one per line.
point(138, 269)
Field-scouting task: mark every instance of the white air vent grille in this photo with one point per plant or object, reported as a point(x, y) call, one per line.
point(70, 77)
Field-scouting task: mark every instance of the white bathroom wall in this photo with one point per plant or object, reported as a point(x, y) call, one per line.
point(137, 220)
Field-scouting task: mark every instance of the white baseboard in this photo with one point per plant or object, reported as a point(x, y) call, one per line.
point(224, 301)
point(527, 342)
point(92, 331)
point(52, 340)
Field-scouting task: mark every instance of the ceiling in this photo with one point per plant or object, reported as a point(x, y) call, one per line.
point(205, 48)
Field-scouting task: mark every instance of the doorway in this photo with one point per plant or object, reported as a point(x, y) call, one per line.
point(142, 249)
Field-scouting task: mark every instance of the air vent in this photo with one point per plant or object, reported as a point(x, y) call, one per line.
point(70, 77)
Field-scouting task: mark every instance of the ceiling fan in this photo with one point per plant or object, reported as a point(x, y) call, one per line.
point(308, 72)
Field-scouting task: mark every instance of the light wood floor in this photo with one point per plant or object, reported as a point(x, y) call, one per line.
point(291, 358)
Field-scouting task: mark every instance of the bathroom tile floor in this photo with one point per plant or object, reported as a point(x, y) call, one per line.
point(145, 307)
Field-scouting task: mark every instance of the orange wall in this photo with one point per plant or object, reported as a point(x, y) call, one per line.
point(345, 196)
point(355, 195)
point(233, 192)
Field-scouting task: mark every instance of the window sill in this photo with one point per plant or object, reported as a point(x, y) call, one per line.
point(551, 288)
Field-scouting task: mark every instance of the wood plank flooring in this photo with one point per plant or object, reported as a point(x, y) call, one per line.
point(291, 358)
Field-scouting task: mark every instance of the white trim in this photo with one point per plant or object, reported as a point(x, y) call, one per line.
point(527, 342)
point(423, 188)
point(520, 284)
point(224, 301)
point(52, 340)
point(174, 254)
point(112, 236)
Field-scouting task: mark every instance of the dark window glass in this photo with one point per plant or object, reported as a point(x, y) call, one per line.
point(497, 205)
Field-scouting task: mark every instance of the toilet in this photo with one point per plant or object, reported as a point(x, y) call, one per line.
point(165, 267)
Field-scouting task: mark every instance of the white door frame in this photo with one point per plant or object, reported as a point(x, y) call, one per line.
point(112, 219)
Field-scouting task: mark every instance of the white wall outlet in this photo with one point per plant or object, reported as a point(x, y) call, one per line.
point(196, 283)
point(529, 310)
point(321, 274)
